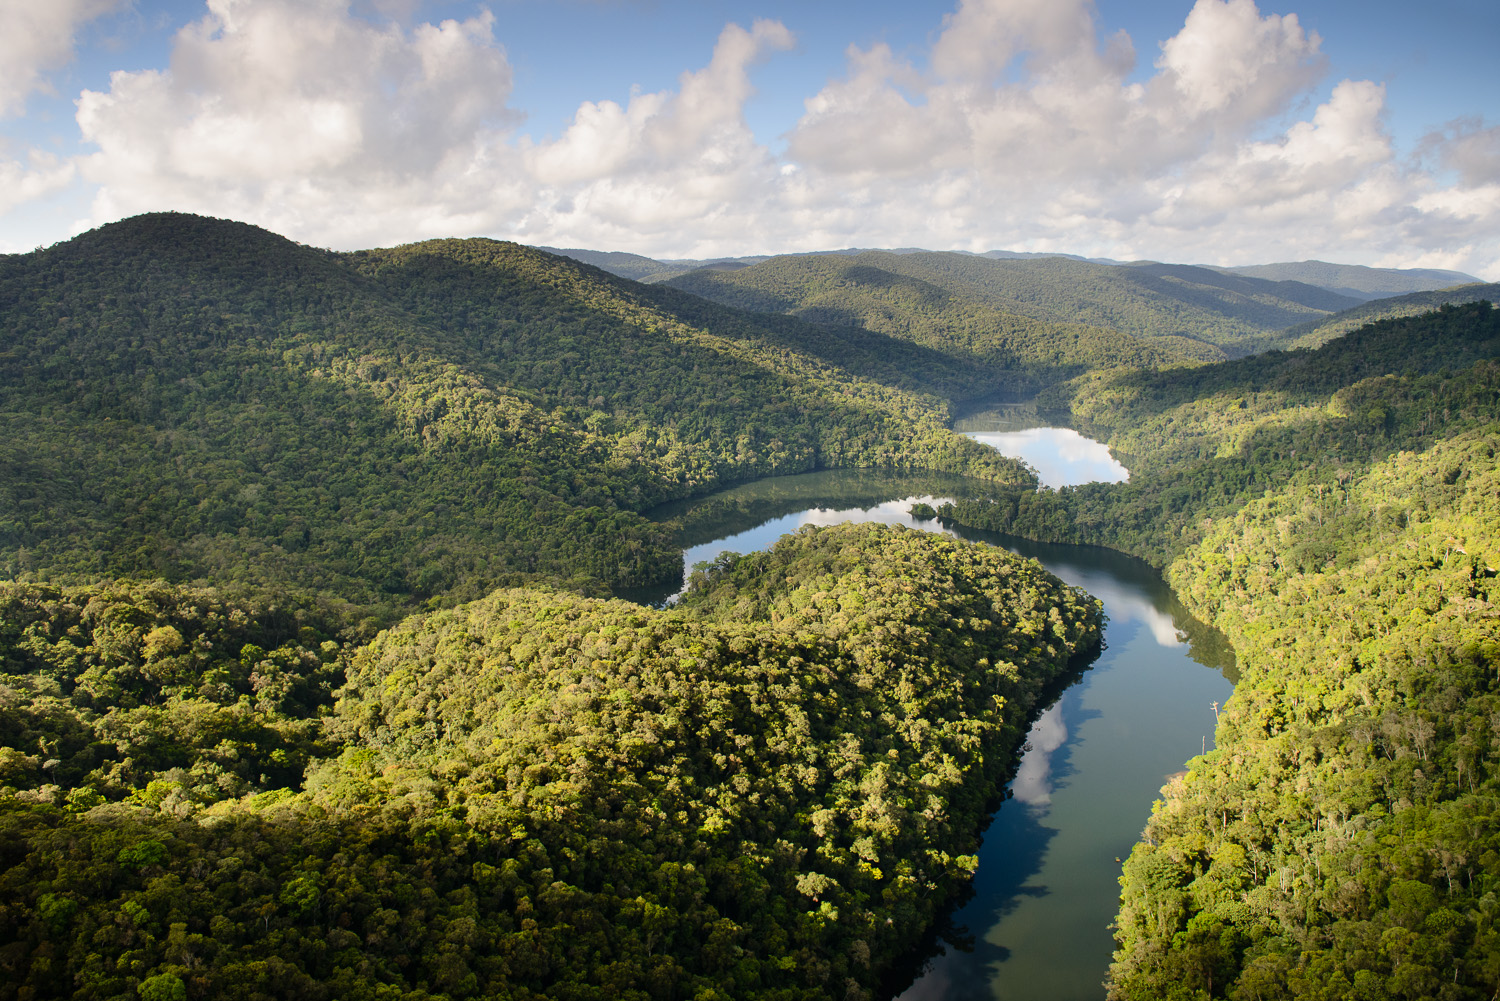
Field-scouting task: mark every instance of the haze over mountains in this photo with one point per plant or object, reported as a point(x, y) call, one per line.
point(1353, 280)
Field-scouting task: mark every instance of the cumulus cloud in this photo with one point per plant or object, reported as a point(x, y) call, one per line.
point(1047, 137)
point(38, 38)
point(19, 183)
point(1027, 95)
point(1229, 60)
point(665, 159)
point(1026, 127)
point(297, 115)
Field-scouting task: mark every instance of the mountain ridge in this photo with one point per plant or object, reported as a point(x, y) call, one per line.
point(1355, 281)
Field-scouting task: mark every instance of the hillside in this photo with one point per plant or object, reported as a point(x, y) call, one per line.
point(205, 401)
point(1356, 280)
point(1191, 312)
point(227, 459)
point(1315, 333)
point(894, 295)
point(767, 792)
point(1335, 512)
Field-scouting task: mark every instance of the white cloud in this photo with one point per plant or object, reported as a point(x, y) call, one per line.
point(20, 184)
point(1040, 133)
point(667, 162)
point(1027, 127)
point(298, 116)
point(1229, 60)
point(37, 39)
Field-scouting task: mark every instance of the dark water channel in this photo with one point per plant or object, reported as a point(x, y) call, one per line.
point(1036, 926)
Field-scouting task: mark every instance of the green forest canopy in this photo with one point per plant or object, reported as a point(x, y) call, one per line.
point(219, 782)
point(1335, 512)
point(765, 791)
point(200, 400)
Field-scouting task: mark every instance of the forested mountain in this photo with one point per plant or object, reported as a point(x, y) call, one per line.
point(767, 791)
point(1356, 280)
point(227, 459)
point(1195, 312)
point(203, 400)
point(1336, 513)
point(632, 266)
point(646, 269)
point(1312, 334)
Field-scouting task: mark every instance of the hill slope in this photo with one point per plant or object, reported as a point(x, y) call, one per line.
point(1336, 513)
point(767, 792)
point(203, 400)
point(1315, 333)
point(1356, 280)
point(1191, 312)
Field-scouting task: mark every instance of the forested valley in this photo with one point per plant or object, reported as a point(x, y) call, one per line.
point(1335, 513)
point(314, 684)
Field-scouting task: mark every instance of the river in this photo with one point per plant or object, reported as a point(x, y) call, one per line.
point(1036, 925)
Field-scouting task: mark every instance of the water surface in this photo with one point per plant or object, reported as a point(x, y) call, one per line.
point(1061, 456)
point(1036, 925)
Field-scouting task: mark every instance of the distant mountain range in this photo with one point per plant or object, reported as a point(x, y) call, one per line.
point(1201, 313)
point(1354, 281)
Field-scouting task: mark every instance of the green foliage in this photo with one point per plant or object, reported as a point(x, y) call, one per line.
point(765, 792)
point(1335, 513)
point(1041, 319)
point(1318, 332)
point(203, 401)
point(1202, 442)
point(1344, 832)
point(170, 697)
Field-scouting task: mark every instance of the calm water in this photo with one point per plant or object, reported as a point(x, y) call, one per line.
point(1036, 926)
point(1059, 455)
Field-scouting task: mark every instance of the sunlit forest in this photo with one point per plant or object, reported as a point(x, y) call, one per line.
point(1335, 512)
point(316, 683)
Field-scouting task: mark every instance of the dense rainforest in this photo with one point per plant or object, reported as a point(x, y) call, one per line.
point(228, 460)
point(1051, 308)
point(200, 400)
point(1317, 332)
point(765, 791)
point(313, 684)
point(1335, 512)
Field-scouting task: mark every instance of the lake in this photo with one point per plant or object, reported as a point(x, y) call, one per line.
point(1036, 925)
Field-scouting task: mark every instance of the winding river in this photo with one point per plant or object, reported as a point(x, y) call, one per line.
point(1036, 925)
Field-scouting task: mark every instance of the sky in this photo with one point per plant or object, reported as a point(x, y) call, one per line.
point(1211, 132)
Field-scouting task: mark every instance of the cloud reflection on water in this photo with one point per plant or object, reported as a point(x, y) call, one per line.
point(1061, 456)
point(1126, 604)
point(1033, 782)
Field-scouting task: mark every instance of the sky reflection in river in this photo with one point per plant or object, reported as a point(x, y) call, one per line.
point(764, 536)
point(1061, 456)
point(1033, 782)
point(1037, 925)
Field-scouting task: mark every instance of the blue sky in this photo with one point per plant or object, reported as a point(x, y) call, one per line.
point(1213, 132)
